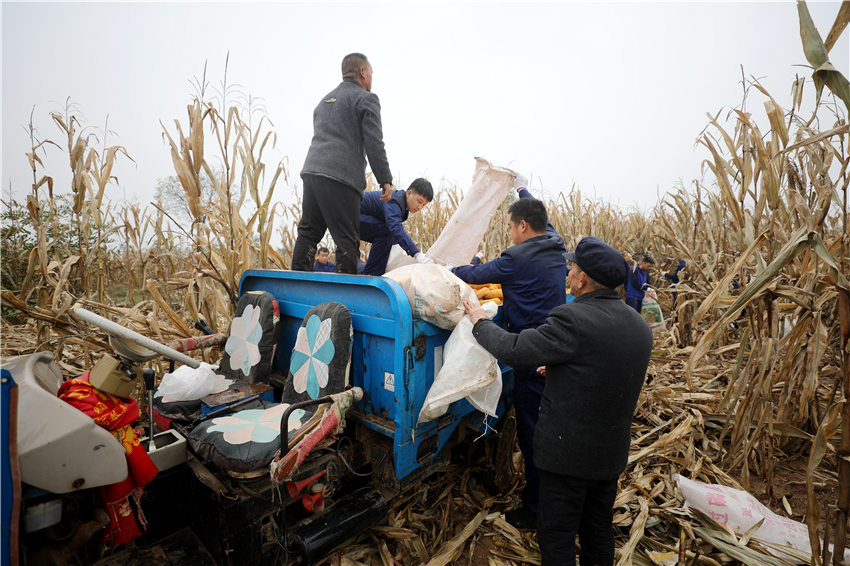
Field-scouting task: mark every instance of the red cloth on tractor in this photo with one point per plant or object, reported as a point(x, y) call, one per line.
point(117, 416)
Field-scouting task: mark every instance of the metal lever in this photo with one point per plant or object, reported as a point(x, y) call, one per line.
point(148, 375)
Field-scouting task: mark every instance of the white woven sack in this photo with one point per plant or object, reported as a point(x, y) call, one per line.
point(459, 240)
point(436, 295)
point(468, 371)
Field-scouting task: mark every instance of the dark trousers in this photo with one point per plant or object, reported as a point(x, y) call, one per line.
point(375, 231)
point(528, 391)
point(636, 304)
point(570, 506)
point(333, 206)
point(675, 300)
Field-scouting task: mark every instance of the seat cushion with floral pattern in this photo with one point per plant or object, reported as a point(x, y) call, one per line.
point(250, 347)
point(246, 440)
point(322, 354)
point(248, 355)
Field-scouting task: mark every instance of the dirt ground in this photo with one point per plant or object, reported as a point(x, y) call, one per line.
point(484, 548)
point(790, 483)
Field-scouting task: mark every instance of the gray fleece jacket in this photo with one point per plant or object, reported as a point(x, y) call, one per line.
point(347, 130)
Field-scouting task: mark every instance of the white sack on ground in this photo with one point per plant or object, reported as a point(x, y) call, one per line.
point(468, 369)
point(464, 231)
point(436, 295)
point(398, 258)
point(740, 511)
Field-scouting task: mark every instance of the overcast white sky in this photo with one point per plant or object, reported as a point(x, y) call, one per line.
point(607, 96)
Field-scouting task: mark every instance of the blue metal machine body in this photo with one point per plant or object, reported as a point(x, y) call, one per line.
point(7, 485)
point(394, 357)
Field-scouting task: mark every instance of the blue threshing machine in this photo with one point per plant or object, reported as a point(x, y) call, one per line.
point(394, 361)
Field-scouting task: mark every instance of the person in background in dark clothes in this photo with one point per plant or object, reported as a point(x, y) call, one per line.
point(381, 223)
point(532, 273)
point(323, 262)
point(346, 130)
point(637, 281)
point(738, 284)
point(673, 278)
point(595, 351)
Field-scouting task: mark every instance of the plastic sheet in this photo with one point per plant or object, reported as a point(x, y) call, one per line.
point(187, 383)
point(468, 371)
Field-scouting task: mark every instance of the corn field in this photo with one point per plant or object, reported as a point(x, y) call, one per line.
point(748, 383)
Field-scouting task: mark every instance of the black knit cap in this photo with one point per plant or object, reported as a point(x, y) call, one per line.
point(601, 262)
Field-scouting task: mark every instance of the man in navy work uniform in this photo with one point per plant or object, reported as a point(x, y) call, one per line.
point(323, 262)
point(346, 130)
point(533, 275)
point(638, 280)
point(595, 351)
point(381, 223)
point(523, 192)
point(673, 277)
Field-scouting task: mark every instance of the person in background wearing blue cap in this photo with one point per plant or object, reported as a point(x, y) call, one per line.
point(638, 280)
point(595, 352)
point(381, 223)
point(532, 273)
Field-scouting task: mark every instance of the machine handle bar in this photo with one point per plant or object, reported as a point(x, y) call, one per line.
point(133, 336)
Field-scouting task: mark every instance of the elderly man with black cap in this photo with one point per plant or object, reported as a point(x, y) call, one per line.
point(595, 351)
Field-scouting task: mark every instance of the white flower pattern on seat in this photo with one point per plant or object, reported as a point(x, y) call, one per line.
point(255, 425)
point(311, 355)
point(242, 344)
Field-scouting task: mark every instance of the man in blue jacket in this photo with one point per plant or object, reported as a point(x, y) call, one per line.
point(595, 351)
point(323, 262)
point(381, 223)
point(346, 130)
point(533, 275)
point(673, 278)
point(637, 281)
